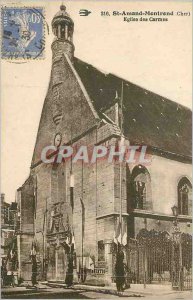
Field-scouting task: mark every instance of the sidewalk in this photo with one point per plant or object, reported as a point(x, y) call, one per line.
point(49, 287)
point(136, 289)
point(23, 288)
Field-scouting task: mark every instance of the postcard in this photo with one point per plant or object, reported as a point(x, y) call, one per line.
point(96, 149)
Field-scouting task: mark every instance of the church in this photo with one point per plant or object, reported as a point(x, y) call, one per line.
point(78, 208)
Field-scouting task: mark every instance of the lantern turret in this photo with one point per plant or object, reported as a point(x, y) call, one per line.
point(63, 28)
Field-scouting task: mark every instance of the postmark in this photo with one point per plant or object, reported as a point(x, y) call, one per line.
point(23, 34)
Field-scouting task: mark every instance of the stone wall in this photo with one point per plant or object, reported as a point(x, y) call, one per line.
point(26, 203)
point(164, 175)
point(94, 185)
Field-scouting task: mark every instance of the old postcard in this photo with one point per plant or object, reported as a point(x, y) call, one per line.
point(96, 184)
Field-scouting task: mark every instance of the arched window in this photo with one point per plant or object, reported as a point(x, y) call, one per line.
point(141, 188)
point(184, 196)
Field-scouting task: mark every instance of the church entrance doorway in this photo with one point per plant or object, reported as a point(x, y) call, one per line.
point(57, 264)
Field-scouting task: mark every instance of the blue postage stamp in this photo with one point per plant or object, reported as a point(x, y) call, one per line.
point(23, 35)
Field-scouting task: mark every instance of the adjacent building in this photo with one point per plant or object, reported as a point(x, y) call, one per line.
point(8, 224)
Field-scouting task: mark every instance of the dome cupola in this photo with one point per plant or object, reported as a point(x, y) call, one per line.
point(62, 25)
point(63, 28)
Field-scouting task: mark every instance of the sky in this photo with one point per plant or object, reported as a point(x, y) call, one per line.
point(154, 55)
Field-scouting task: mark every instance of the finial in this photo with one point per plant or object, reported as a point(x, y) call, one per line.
point(62, 7)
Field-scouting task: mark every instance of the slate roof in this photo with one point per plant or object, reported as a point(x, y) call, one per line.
point(148, 119)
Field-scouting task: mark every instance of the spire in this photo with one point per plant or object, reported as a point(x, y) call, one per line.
point(63, 28)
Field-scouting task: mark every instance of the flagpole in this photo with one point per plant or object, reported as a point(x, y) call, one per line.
point(72, 202)
point(121, 129)
point(83, 221)
point(35, 206)
point(71, 179)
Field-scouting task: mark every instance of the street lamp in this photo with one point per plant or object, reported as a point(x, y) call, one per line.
point(176, 229)
point(175, 212)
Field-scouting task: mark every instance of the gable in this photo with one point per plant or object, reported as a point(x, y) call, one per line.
point(65, 104)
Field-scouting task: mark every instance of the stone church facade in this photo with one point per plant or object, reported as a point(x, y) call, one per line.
point(82, 107)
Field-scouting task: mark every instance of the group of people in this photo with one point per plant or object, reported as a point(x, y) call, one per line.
point(7, 276)
point(121, 273)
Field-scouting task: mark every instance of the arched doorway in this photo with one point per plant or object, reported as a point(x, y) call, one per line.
point(57, 262)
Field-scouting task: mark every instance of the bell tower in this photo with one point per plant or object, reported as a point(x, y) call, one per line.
point(63, 28)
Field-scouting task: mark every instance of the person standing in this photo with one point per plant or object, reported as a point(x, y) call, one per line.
point(3, 273)
point(69, 273)
point(34, 270)
point(120, 271)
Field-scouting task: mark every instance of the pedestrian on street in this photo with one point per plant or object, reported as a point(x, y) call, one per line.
point(127, 277)
point(34, 270)
point(69, 274)
point(3, 274)
point(10, 278)
point(120, 271)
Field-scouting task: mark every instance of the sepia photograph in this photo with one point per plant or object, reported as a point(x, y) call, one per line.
point(96, 149)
